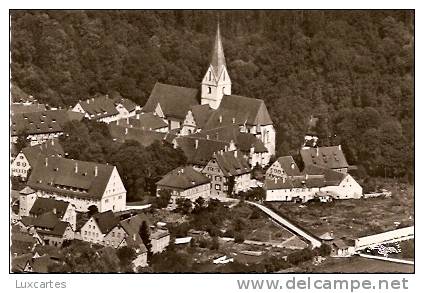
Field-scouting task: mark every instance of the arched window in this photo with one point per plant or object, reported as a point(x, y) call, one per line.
point(210, 75)
point(224, 75)
point(223, 90)
point(209, 90)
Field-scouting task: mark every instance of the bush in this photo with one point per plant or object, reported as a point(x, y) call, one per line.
point(324, 250)
point(203, 243)
point(298, 257)
point(238, 237)
point(214, 244)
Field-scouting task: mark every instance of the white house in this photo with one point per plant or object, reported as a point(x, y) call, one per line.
point(84, 184)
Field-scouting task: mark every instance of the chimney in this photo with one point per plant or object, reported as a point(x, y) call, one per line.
point(340, 147)
point(207, 136)
point(317, 151)
point(95, 170)
point(235, 154)
point(76, 168)
point(55, 211)
point(220, 118)
point(234, 120)
point(196, 144)
point(46, 161)
point(226, 148)
point(126, 130)
point(138, 116)
point(117, 122)
point(52, 141)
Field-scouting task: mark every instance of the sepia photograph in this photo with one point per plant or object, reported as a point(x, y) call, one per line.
point(212, 141)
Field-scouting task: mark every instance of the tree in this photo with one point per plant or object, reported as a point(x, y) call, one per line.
point(126, 255)
point(184, 205)
point(21, 141)
point(144, 233)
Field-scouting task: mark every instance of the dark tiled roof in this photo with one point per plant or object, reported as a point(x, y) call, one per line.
point(232, 163)
point(175, 101)
point(201, 114)
point(289, 165)
point(132, 226)
point(239, 110)
point(183, 178)
point(243, 141)
point(49, 121)
point(147, 121)
point(106, 221)
point(128, 104)
point(49, 148)
point(23, 108)
point(44, 205)
point(331, 177)
point(329, 157)
point(19, 262)
point(41, 264)
point(204, 151)
point(144, 137)
point(58, 230)
point(99, 107)
point(59, 176)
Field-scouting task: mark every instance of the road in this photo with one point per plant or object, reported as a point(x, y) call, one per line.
point(276, 217)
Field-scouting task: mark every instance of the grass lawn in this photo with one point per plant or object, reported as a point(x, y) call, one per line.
point(360, 265)
point(353, 218)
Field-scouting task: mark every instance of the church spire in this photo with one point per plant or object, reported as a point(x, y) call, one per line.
point(218, 58)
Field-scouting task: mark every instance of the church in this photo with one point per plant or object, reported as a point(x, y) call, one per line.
point(212, 107)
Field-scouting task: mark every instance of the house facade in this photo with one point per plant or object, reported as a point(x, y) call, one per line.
point(84, 184)
point(185, 182)
point(282, 168)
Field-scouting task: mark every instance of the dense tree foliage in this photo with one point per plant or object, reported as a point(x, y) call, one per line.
point(355, 67)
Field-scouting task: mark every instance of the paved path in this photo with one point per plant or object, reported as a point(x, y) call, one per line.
point(409, 262)
point(293, 228)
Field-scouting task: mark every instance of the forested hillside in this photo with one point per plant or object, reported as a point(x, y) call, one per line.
point(353, 68)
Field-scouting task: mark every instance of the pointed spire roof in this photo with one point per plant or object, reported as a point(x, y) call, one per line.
point(218, 58)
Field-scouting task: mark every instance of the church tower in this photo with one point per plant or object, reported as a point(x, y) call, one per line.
point(216, 83)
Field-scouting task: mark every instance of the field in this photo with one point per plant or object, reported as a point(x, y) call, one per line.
point(358, 265)
point(353, 218)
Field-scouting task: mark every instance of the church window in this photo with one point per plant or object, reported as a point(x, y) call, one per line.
point(210, 76)
point(209, 90)
point(223, 89)
point(224, 75)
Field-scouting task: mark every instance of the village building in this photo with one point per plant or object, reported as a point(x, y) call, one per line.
point(41, 126)
point(159, 240)
point(27, 107)
point(189, 111)
point(147, 121)
point(312, 184)
point(145, 137)
point(282, 168)
point(251, 147)
point(199, 150)
point(229, 173)
point(185, 182)
point(106, 109)
point(28, 156)
point(48, 228)
point(331, 157)
point(84, 184)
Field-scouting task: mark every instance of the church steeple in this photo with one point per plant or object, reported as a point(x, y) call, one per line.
point(216, 81)
point(218, 58)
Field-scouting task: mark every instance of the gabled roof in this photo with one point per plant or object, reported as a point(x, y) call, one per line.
point(329, 157)
point(43, 205)
point(19, 262)
point(243, 141)
point(332, 178)
point(147, 121)
point(27, 190)
point(175, 101)
point(99, 107)
point(232, 163)
point(58, 230)
point(239, 110)
point(49, 148)
point(183, 178)
point(49, 121)
point(144, 137)
point(288, 164)
point(126, 103)
point(23, 108)
point(199, 150)
point(71, 177)
point(106, 221)
point(201, 114)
